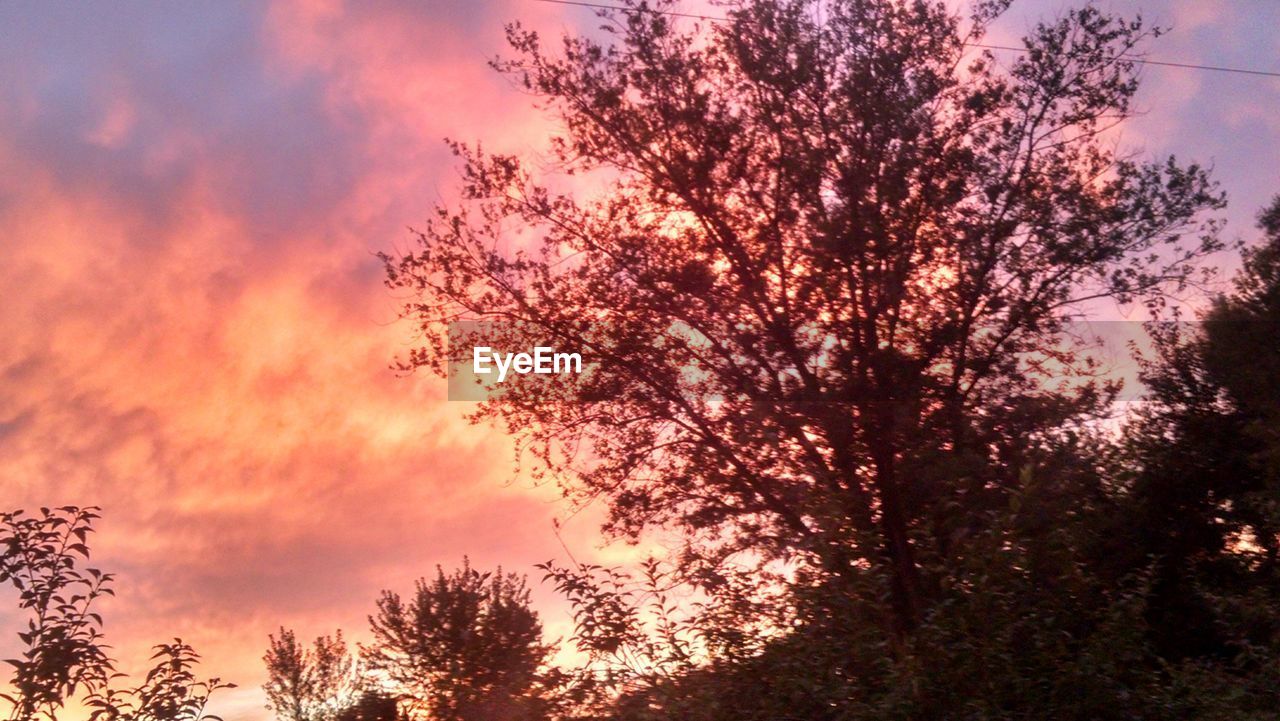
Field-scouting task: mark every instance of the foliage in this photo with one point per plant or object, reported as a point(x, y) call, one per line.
point(316, 684)
point(64, 653)
point(1198, 492)
point(1026, 628)
point(825, 279)
point(63, 649)
point(169, 692)
point(465, 647)
point(372, 706)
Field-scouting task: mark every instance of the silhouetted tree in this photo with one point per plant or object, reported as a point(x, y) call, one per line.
point(372, 706)
point(1200, 483)
point(832, 251)
point(465, 647)
point(63, 651)
point(316, 684)
point(170, 691)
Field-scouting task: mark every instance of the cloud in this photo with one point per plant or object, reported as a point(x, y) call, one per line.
point(196, 337)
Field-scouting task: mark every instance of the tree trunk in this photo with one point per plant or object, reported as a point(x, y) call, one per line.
point(904, 576)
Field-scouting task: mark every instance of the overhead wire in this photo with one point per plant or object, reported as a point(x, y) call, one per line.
point(984, 46)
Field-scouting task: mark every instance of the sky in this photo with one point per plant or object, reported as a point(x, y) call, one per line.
point(195, 334)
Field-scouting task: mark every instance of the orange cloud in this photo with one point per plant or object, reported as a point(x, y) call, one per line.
point(196, 334)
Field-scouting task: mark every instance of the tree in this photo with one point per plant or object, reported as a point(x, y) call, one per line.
point(373, 706)
point(170, 691)
point(316, 684)
point(63, 649)
point(465, 647)
point(830, 259)
point(1199, 482)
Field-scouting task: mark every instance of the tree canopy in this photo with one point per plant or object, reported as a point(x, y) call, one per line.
point(310, 684)
point(827, 256)
point(64, 660)
point(464, 647)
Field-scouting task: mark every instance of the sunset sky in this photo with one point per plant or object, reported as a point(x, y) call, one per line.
point(195, 334)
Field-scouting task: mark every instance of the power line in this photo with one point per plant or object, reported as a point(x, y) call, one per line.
point(1145, 61)
point(602, 6)
point(1130, 58)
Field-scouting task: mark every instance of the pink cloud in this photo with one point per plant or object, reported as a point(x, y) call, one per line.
point(196, 334)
